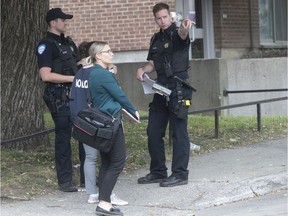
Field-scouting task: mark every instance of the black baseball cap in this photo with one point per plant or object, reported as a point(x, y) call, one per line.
point(56, 13)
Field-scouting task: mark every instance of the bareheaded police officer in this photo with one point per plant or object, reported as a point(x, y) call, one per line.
point(57, 62)
point(169, 57)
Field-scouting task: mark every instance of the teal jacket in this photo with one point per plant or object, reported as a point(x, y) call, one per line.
point(106, 94)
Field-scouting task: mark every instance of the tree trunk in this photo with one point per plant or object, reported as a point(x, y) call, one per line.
point(22, 26)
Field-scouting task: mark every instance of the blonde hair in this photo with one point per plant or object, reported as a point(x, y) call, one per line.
point(95, 48)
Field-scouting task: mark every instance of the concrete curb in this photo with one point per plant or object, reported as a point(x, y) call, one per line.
point(244, 189)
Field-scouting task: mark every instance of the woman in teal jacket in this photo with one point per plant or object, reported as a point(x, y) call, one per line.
point(108, 97)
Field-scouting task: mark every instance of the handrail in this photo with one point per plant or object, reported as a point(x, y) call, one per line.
point(238, 105)
point(215, 109)
point(4, 142)
point(257, 103)
point(226, 92)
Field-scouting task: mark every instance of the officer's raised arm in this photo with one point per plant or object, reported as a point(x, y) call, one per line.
point(48, 76)
point(183, 31)
point(147, 68)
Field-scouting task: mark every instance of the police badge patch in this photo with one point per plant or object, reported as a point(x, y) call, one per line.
point(41, 48)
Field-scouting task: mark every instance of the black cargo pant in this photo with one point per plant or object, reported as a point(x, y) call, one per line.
point(159, 116)
point(63, 129)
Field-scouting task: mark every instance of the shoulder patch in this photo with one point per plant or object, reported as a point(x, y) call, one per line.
point(41, 48)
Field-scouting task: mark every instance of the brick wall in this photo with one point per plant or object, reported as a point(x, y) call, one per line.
point(231, 24)
point(255, 23)
point(126, 25)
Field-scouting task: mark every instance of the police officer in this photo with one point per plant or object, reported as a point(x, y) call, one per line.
point(57, 64)
point(169, 56)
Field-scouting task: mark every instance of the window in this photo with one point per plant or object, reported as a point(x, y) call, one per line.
point(273, 22)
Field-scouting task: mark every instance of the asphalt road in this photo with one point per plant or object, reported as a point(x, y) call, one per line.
point(222, 178)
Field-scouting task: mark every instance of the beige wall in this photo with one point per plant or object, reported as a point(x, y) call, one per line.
point(211, 77)
point(254, 74)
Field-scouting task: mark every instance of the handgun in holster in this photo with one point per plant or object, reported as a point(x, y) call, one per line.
point(50, 100)
point(54, 101)
point(181, 109)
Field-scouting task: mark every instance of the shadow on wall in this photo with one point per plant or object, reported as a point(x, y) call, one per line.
point(206, 95)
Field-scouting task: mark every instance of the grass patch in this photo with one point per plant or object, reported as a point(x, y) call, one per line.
point(25, 175)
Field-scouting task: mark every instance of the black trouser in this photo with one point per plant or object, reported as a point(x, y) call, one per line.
point(63, 162)
point(112, 164)
point(159, 115)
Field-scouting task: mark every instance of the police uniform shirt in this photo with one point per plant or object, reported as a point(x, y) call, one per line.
point(55, 52)
point(168, 46)
point(168, 34)
point(47, 51)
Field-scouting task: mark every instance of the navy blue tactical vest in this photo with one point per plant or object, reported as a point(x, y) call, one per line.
point(65, 62)
point(168, 49)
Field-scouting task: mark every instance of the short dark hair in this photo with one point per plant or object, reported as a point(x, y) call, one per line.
point(83, 49)
point(160, 6)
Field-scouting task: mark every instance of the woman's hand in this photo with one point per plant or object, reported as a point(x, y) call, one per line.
point(113, 68)
point(137, 114)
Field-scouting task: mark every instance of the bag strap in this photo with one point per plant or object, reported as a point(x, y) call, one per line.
point(89, 100)
point(90, 104)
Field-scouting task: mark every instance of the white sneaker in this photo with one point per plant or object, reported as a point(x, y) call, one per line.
point(117, 201)
point(93, 198)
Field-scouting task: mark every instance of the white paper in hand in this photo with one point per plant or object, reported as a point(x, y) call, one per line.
point(147, 84)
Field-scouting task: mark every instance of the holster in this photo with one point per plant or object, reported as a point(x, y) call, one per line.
point(182, 112)
point(182, 101)
point(55, 97)
point(50, 102)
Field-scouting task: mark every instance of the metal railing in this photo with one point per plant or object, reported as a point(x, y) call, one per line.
point(226, 92)
point(212, 109)
point(5, 142)
point(217, 109)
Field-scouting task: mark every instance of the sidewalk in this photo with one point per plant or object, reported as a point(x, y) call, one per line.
point(216, 178)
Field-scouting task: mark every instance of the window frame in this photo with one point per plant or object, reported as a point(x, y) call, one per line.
point(272, 42)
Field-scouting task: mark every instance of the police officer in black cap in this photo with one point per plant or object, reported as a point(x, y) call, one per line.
point(57, 62)
point(169, 57)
